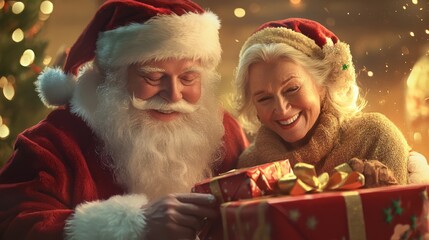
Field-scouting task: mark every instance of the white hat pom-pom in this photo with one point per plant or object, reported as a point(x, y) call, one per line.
point(55, 88)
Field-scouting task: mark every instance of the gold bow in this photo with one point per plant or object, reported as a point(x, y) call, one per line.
point(303, 179)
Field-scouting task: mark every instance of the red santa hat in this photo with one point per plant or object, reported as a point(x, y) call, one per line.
point(123, 32)
point(310, 38)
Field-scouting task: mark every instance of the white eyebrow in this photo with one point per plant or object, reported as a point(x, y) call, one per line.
point(194, 69)
point(149, 69)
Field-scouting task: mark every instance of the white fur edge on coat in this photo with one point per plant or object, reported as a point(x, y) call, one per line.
point(418, 168)
point(119, 217)
point(191, 35)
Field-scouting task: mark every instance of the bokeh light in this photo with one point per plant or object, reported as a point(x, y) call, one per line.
point(18, 7)
point(239, 12)
point(295, 2)
point(46, 7)
point(27, 58)
point(18, 35)
point(9, 91)
point(4, 131)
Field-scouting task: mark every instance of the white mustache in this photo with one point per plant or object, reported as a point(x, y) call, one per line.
point(157, 103)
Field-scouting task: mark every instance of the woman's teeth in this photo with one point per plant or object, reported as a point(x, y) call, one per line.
point(290, 120)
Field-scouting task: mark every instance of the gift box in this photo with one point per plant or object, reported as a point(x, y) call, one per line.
point(245, 183)
point(394, 212)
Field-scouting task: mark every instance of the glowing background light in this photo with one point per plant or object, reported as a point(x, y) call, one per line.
point(18, 7)
point(27, 58)
point(17, 35)
point(46, 7)
point(47, 60)
point(4, 131)
point(9, 91)
point(295, 2)
point(239, 12)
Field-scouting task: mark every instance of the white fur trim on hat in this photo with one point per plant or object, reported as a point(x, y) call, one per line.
point(55, 88)
point(119, 217)
point(190, 35)
point(284, 35)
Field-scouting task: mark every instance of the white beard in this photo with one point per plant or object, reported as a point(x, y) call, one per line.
point(154, 157)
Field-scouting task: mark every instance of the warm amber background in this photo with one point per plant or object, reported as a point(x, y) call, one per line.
point(386, 37)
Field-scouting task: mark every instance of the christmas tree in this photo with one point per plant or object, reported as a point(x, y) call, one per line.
point(21, 60)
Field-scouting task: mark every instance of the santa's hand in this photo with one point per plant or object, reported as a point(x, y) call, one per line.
point(376, 173)
point(179, 216)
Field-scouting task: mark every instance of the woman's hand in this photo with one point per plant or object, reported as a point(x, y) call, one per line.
point(179, 216)
point(376, 173)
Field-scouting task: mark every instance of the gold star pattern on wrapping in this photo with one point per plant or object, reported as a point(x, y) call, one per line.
point(294, 215)
point(312, 222)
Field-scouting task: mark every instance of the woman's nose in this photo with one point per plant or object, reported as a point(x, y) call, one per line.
point(281, 106)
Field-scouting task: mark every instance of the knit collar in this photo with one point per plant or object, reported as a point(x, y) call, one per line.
point(323, 139)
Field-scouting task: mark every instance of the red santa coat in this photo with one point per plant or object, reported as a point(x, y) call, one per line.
point(55, 167)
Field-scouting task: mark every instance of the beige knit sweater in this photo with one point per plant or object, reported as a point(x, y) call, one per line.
point(368, 136)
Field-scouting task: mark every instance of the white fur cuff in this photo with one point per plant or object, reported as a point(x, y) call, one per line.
point(418, 168)
point(119, 217)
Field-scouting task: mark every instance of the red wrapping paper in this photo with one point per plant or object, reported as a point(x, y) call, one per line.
point(246, 182)
point(394, 212)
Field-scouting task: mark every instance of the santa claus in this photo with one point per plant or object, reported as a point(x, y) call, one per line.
point(137, 123)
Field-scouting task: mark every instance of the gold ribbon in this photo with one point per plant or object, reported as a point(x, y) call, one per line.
point(303, 179)
point(355, 215)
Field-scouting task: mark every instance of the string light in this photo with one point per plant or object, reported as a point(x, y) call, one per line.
point(412, 34)
point(370, 74)
point(239, 12)
point(295, 2)
point(415, 2)
point(27, 58)
point(4, 131)
point(427, 31)
point(17, 35)
point(9, 91)
point(1, 4)
point(18, 7)
point(46, 7)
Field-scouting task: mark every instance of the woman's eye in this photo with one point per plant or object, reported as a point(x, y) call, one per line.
point(263, 99)
point(292, 89)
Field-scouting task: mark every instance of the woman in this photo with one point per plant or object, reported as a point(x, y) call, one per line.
point(297, 91)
